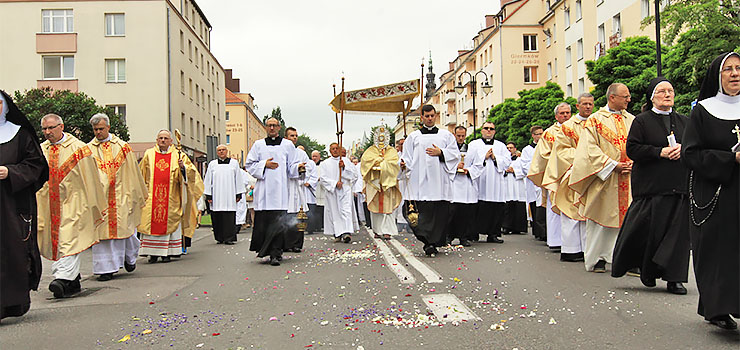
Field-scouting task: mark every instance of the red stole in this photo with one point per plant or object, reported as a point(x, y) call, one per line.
point(160, 194)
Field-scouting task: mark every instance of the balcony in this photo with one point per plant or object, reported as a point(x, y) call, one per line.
point(56, 42)
point(450, 96)
point(62, 84)
point(449, 119)
point(466, 106)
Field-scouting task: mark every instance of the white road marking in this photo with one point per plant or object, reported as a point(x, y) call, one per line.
point(448, 308)
point(403, 274)
point(429, 274)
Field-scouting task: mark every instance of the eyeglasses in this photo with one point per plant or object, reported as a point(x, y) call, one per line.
point(729, 69)
point(273, 125)
point(489, 128)
point(665, 92)
point(50, 127)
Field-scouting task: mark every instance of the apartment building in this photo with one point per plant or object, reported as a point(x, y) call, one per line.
point(149, 59)
point(243, 127)
point(530, 42)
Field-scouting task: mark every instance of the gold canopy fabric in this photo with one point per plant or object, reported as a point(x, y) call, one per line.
point(391, 98)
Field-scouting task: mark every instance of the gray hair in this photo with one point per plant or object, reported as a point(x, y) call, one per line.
point(315, 152)
point(160, 130)
point(584, 95)
point(612, 89)
point(222, 145)
point(95, 120)
point(561, 104)
point(52, 115)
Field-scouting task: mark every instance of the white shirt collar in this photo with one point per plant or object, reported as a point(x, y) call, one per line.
point(64, 137)
point(723, 106)
point(658, 111)
point(106, 139)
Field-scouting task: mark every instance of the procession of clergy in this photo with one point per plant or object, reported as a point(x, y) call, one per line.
point(600, 188)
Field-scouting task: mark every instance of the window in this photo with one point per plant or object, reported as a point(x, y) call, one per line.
point(197, 130)
point(201, 64)
point(645, 5)
point(190, 89)
point(579, 49)
point(209, 103)
point(182, 122)
point(549, 71)
point(203, 98)
point(569, 90)
point(548, 4)
point(185, 13)
point(548, 39)
point(579, 13)
point(196, 56)
point(59, 67)
point(664, 3)
point(530, 74)
point(555, 67)
point(581, 86)
point(115, 24)
point(190, 50)
point(228, 139)
point(197, 94)
point(568, 56)
point(57, 21)
point(182, 82)
point(208, 69)
point(554, 32)
point(120, 110)
point(182, 42)
point(530, 42)
point(192, 130)
point(567, 17)
point(616, 24)
point(227, 115)
point(601, 34)
point(115, 71)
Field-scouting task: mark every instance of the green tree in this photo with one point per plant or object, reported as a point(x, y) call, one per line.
point(686, 63)
point(515, 116)
point(698, 14)
point(311, 145)
point(75, 108)
point(277, 114)
point(631, 63)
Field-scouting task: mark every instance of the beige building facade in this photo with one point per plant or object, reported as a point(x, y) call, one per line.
point(149, 59)
point(243, 127)
point(531, 42)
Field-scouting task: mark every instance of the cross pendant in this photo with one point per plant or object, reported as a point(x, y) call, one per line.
point(736, 131)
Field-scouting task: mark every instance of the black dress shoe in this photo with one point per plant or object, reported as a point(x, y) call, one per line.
point(274, 261)
point(166, 259)
point(57, 288)
point(105, 277)
point(676, 288)
point(129, 268)
point(571, 257)
point(465, 243)
point(430, 250)
point(600, 266)
point(297, 250)
point(219, 242)
point(65, 288)
point(230, 243)
point(346, 238)
point(494, 239)
point(153, 259)
point(724, 322)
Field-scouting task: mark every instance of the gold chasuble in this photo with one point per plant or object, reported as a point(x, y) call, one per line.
point(557, 174)
point(603, 140)
point(71, 203)
point(125, 190)
point(380, 168)
point(540, 159)
point(171, 199)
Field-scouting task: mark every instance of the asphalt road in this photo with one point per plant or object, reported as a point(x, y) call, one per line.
point(516, 295)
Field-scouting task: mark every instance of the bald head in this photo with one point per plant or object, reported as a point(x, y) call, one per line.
point(222, 151)
point(316, 156)
point(618, 96)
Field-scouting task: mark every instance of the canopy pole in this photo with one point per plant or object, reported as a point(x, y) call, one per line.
point(341, 128)
point(336, 116)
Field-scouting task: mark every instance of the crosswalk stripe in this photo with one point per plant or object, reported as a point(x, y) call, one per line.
point(429, 274)
point(448, 308)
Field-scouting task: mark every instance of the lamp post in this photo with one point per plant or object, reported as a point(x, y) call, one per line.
point(460, 88)
point(658, 62)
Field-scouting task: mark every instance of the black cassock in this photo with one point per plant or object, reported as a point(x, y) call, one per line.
point(20, 262)
point(655, 232)
point(715, 231)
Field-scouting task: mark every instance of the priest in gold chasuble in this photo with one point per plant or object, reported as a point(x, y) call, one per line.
point(125, 193)
point(173, 186)
point(379, 169)
point(70, 205)
point(601, 176)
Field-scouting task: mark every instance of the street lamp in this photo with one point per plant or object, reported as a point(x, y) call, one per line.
point(460, 88)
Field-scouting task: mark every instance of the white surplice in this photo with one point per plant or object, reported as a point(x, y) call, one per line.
point(312, 179)
point(464, 186)
point(534, 193)
point(516, 189)
point(403, 180)
point(338, 201)
point(430, 177)
point(491, 183)
point(223, 182)
point(243, 206)
point(271, 189)
point(296, 190)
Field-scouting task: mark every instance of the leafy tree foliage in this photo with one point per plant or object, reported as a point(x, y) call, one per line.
point(631, 63)
point(311, 145)
point(75, 108)
point(514, 117)
point(686, 63)
point(704, 15)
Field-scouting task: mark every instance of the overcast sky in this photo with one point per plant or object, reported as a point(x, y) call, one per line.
point(288, 53)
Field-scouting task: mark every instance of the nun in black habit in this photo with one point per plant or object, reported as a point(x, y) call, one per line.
point(711, 152)
point(23, 170)
point(655, 233)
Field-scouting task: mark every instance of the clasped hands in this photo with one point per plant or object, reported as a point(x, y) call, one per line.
point(672, 153)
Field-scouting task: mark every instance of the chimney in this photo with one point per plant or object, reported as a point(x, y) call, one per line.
point(490, 20)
